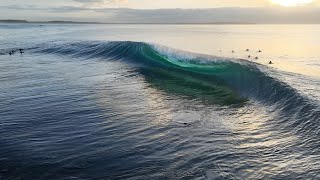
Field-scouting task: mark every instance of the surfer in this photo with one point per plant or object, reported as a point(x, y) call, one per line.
point(270, 62)
point(257, 58)
point(247, 49)
point(259, 51)
point(10, 53)
point(21, 51)
point(249, 56)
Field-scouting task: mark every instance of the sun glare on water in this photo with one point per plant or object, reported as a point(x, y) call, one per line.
point(288, 3)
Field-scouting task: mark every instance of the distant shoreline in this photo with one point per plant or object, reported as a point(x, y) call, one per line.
point(79, 22)
point(47, 22)
point(177, 23)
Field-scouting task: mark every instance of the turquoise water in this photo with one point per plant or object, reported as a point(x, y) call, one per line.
point(138, 102)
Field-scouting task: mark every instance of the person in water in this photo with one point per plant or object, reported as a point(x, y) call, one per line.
point(249, 56)
point(10, 53)
point(247, 50)
point(270, 62)
point(259, 51)
point(256, 58)
point(21, 51)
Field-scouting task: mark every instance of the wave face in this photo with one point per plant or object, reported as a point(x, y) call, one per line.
point(211, 79)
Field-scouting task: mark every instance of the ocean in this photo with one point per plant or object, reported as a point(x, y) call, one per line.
point(132, 101)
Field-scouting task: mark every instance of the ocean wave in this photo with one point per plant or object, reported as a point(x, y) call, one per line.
point(212, 79)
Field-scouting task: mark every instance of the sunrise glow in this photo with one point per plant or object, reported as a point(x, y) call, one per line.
point(289, 3)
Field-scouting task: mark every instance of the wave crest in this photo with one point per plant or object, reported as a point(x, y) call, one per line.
point(212, 79)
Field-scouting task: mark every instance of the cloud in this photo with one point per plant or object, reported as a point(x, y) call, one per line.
point(95, 1)
point(47, 9)
point(216, 15)
point(88, 1)
point(126, 15)
point(103, 3)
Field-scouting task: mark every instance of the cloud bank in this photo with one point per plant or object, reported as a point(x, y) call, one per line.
point(100, 11)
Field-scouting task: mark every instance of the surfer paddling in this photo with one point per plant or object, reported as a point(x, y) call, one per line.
point(13, 51)
point(21, 51)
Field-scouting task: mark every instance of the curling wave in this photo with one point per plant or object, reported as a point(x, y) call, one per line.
point(211, 79)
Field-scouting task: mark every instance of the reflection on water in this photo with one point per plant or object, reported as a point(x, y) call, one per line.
point(156, 103)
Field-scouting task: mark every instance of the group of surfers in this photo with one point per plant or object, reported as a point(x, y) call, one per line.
point(13, 51)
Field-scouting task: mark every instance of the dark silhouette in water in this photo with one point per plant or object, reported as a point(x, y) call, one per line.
point(249, 56)
point(270, 62)
point(232, 51)
point(247, 49)
point(21, 51)
point(256, 58)
point(13, 51)
point(259, 51)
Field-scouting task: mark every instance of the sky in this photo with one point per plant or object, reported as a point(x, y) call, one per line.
point(164, 11)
